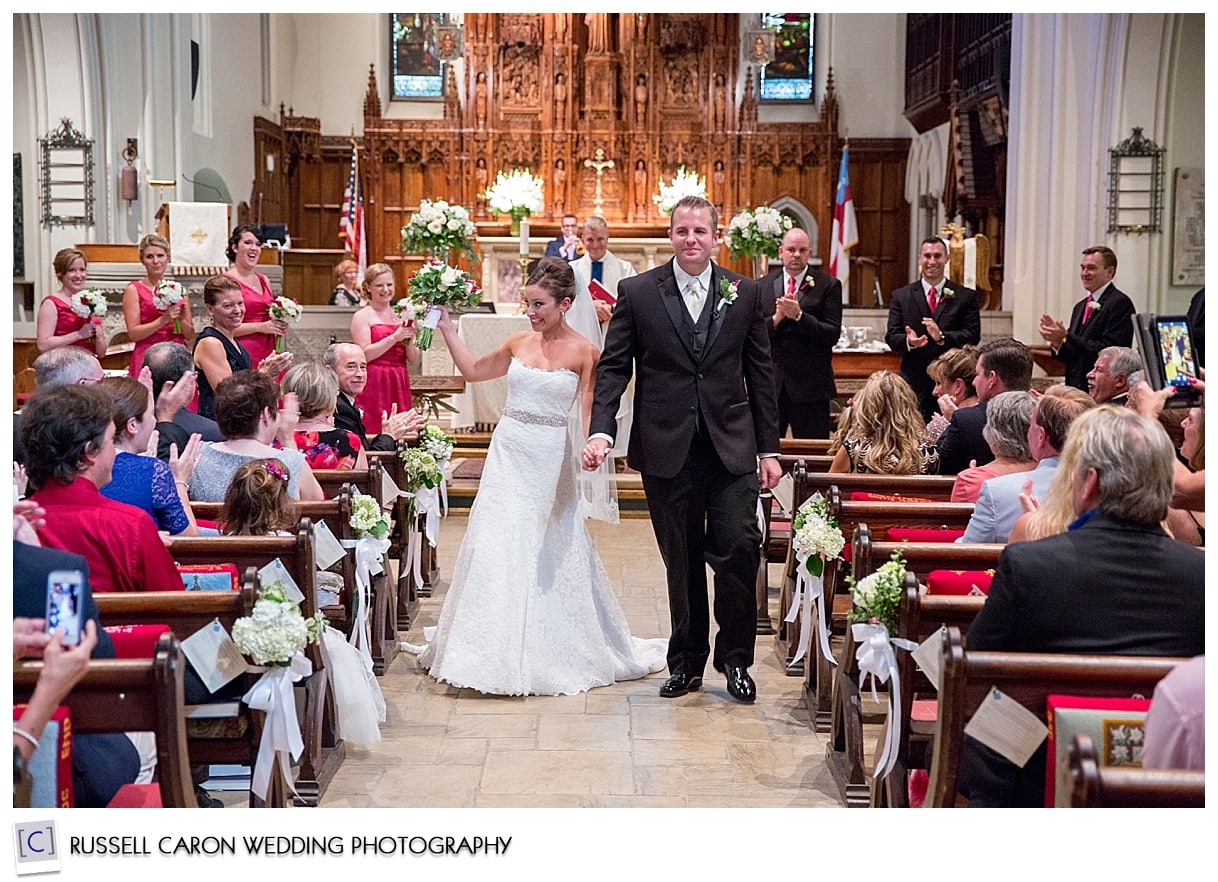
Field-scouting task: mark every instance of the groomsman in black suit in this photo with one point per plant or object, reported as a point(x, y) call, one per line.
point(805, 311)
point(1099, 320)
point(694, 337)
point(928, 317)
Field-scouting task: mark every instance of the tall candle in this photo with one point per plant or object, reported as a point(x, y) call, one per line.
point(524, 237)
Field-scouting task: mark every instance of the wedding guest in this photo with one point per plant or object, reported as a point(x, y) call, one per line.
point(347, 291)
point(1175, 723)
point(248, 414)
point(324, 445)
point(257, 502)
point(881, 431)
point(953, 373)
point(145, 481)
point(388, 344)
point(175, 384)
point(1187, 523)
point(350, 367)
point(257, 329)
point(64, 366)
point(1003, 365)
point(57, 324)
point(146, 324)
point(1108, 380)
point(1006, 431)
point(217, 352)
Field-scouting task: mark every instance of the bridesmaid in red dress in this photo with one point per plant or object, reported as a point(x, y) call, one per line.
point(388, 344)
point(57, 324)
point(258, 332)
point(147, 325)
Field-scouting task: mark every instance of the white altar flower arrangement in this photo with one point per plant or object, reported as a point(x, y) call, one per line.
point(367, 517)
point(439, 230)
point(284, 309)
point(684, 183)
point(516, 193)
point(816, 539)
point(169, 292)
point(89, 303)
point(438, 284)
point(756, 233)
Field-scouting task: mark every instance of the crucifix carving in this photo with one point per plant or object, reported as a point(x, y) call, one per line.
point(599, 163)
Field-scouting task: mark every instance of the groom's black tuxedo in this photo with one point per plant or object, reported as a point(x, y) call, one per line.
point(704, 407)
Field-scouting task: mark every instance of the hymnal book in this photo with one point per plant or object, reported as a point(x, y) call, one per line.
point(600, 292)
point(1116, 727)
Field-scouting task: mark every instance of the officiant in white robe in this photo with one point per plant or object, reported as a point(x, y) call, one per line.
point(591, 317)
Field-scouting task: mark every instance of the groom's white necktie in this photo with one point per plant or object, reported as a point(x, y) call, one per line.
point(695, 298)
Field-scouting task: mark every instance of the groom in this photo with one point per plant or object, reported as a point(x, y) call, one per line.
point(704, 408)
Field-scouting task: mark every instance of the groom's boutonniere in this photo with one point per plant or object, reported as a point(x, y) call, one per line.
point(728, 291)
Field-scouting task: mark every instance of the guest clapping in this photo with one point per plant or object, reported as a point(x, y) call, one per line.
point(324, 445)
point(1006, 432)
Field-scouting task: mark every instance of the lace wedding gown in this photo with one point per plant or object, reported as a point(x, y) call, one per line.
point(530, 610)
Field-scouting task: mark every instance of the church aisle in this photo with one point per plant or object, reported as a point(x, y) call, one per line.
point(616, 746)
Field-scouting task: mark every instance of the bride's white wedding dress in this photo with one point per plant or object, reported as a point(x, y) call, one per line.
point(530, 609)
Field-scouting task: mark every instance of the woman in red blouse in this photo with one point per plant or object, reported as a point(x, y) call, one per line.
point(57, 324)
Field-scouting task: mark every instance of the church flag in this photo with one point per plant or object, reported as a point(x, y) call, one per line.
point(351, 222)
point(845, 231)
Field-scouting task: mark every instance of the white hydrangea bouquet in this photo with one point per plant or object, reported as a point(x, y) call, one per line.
point(876, 605)
point(439, 230)
point(89, 303)
point(815, 540)
point(168, 292)
point(757, 233)
point(516, 193)
point(434, 441)
point(684, 183)
point(423, 476)
point(367, 517)
point(438, 284)
point(284, 309)
point(273, 637)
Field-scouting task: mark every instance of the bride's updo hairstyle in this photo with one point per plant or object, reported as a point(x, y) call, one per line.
point(555, 275)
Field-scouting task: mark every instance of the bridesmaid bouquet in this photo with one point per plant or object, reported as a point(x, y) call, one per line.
point(89, 304)
point(284, 309)
point(439, 229)
point(438, 284)
point(166, 295)
point(404, 309)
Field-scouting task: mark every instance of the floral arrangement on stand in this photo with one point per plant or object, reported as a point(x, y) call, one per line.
point(274, 637)
point(169, 292)
point(684, 183)
point(437, 284)
point(516, 193)
point(439, 230)
point(423, 476)
point(284, 309)
point(876, 604)
point(815, 540)
point(89, 303)
point(757, 233)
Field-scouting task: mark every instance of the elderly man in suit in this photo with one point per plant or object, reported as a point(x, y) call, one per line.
point(1108, 379)
point(350, 365)
point(1113, 584)
point(928, 317)
point(704, 412)
point(805, 310)
point(1099, 320)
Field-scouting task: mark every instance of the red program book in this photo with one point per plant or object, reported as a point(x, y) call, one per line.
point(600, 292)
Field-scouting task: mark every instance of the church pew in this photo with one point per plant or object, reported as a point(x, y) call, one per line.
point(324, 749)
point(1028, 678)
point(136, 695)
point(1098, 786)
point(804, 446)
point(847, 755)
point(407, 592)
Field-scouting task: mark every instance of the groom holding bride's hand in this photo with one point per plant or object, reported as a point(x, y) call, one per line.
point(704, 410)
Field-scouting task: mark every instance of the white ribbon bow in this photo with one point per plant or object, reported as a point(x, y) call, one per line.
point(369, 552)
point(273, 695)
point(809, 589)
point(427, 503)
point(877, 657)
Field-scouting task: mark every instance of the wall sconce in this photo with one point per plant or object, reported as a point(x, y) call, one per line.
point(128, 177)
point(1135, 185)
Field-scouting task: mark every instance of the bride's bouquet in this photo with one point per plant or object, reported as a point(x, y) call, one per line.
point(756, 233)
point(89, 304)
point(516, 193)
point(437, 284)
point(169, 292)
point(438, 229)
point(684, 183)
point(284, 309)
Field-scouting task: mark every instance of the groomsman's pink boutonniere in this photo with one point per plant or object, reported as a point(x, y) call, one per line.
point(728, 291)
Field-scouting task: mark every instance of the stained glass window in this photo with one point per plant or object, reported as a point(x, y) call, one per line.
point(789, 76)
point(417, 71)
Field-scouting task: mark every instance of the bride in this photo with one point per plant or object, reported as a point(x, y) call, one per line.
point(530, 610)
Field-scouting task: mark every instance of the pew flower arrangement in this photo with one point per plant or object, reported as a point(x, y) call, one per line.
point(684, 183)
point(434, 441)
point(284, 309)
point(422, 470)
point(423, 476)
point(276, 630)
point(89, 303)
point(876, 602)
point(169, 292)
point(367, 517)
point(756, 233)
point(438, 284)
point(439, 230)
point(815, 540)
point(370, 523)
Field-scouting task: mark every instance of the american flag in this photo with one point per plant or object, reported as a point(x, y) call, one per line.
point(351, 222)
point(845, 233)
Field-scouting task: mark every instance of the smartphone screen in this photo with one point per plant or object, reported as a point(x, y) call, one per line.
point(1176, 352)
point(64, 589)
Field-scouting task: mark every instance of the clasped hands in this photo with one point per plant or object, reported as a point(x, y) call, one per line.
point(788, 307)
point(914, 340)
point(597, 449)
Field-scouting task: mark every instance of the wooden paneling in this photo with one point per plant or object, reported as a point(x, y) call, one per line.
point(877, 183)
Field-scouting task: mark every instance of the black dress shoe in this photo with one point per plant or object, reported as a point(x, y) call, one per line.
point(680, 684)
point(206, 800)
point(739, 684)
